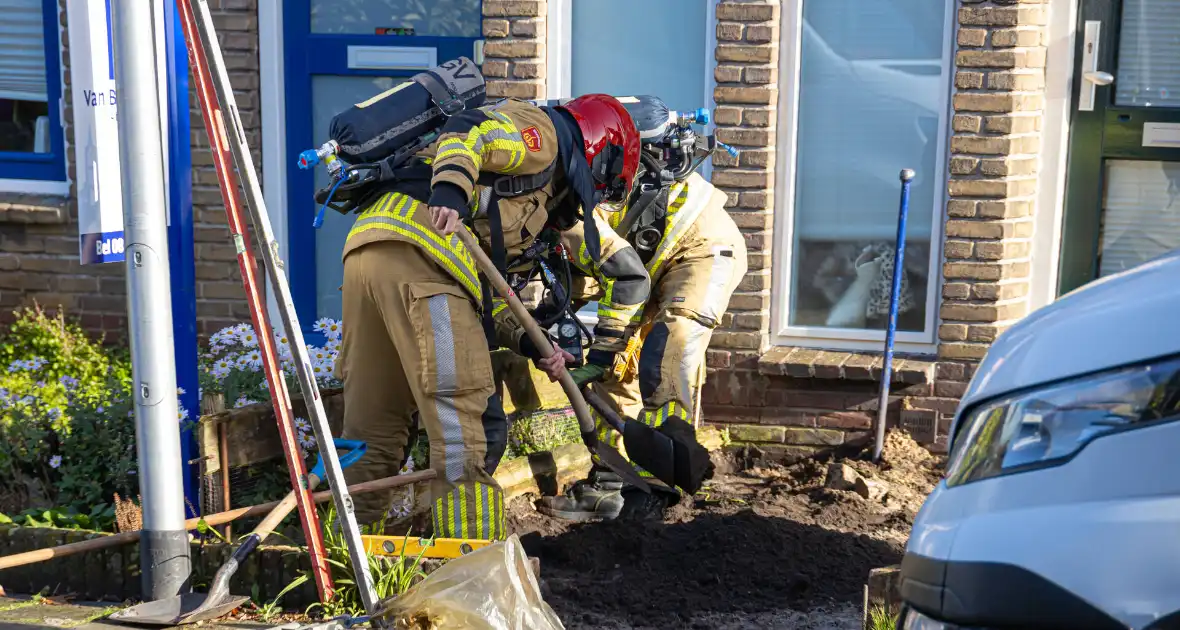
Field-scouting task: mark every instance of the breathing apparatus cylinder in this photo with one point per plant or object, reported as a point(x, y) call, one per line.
point(375, 129)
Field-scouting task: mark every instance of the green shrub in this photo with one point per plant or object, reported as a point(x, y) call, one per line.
point(66, 436)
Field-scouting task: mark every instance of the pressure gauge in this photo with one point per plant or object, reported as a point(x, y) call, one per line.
point(568, 330)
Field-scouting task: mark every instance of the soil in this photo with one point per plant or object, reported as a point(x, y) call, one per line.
point(758, 548)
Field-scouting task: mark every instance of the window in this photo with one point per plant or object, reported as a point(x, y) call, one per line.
point(869, 97)
point(31, 146)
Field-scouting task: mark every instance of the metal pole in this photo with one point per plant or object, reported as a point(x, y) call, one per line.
point(907, 177)
point(164, 549)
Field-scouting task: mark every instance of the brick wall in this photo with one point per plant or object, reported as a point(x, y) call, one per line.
point(39, 235)
point(791, 401)
point(221, 301)
point(514, 49)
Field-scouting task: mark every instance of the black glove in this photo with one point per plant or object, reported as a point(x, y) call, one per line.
point(529, 350)
point(448, 195)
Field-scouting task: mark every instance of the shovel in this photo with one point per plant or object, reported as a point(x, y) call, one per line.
point(670, 453)
point(194, 607)
point(605, 454)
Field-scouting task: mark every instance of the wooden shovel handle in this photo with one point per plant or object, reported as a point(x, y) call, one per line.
point(540, 339)
point(220, 518)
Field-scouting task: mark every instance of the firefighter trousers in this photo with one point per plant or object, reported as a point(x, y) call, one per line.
point(689, 297)
point(413, 341)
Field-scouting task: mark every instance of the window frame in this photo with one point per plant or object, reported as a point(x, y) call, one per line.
point(37, 172)
point(783, 333)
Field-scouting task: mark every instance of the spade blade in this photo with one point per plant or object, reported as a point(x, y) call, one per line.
point(693, 464)
point(652, 450)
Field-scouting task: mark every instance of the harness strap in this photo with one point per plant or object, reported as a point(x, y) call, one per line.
point(447, 101)
point(517, 185)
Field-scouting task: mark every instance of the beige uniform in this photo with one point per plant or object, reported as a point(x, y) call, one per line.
point(696, 267)
point(413, 339)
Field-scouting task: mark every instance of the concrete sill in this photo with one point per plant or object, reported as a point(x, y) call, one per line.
point(34, 209)
point(840, 364)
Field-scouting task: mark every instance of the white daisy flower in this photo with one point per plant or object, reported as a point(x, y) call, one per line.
point(182, 413)
point(180, 391)
point(248, 338)
point(55, 461)
point(307, 441)
point(255, 358)
point(332, 329)
point(302, 424)
point(321, 324)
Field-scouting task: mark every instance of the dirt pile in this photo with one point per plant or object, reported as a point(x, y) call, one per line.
point(765, 541)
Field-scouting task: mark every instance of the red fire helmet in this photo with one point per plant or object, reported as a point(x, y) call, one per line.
point(612, 142)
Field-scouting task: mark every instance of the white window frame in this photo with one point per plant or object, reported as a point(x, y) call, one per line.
point(788, 117)
point(1059, 88)
point(272, 92)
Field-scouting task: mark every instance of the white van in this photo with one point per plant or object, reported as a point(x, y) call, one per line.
point(1060, 507)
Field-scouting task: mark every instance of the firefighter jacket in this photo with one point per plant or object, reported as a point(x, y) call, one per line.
point(624, 283)
point(511, 138)
point(687, 201)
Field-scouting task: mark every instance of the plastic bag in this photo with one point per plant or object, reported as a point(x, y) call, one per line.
point(492, 588)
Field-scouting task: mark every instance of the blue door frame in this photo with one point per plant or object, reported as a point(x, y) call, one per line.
point(306, 54)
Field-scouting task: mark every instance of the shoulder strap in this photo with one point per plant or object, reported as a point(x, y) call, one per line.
point(517, 185)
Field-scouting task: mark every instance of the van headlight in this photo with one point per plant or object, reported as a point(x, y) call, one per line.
point(1046, 426)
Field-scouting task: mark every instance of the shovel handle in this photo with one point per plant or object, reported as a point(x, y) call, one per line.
point(540, 340)
point(219, 518)
point(281, 510)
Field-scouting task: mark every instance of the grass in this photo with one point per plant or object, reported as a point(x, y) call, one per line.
point(35, 600)
point(391, 576)
point(881, 619)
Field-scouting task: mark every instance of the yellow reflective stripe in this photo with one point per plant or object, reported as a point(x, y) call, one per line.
point(679, 221)
point(404, 208)
point(480, 510)
point(518, 147)
point(463, 512)
point(615, 218)
point(447, 251)
point(498, 305)
point(624, 313)
point(490, 135)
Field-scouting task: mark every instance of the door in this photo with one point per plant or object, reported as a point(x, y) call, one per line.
point(1123, 187)
point(338, 53)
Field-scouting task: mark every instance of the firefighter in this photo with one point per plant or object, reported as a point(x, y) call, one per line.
point(412, 295)
point(696, 263)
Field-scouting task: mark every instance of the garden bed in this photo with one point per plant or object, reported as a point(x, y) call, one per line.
point(762, 547)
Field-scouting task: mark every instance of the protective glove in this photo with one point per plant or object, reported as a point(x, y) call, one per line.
point(529, 350)
point(589, 373)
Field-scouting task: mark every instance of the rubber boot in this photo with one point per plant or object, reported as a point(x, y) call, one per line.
point(642, 506)
point(598, 497)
